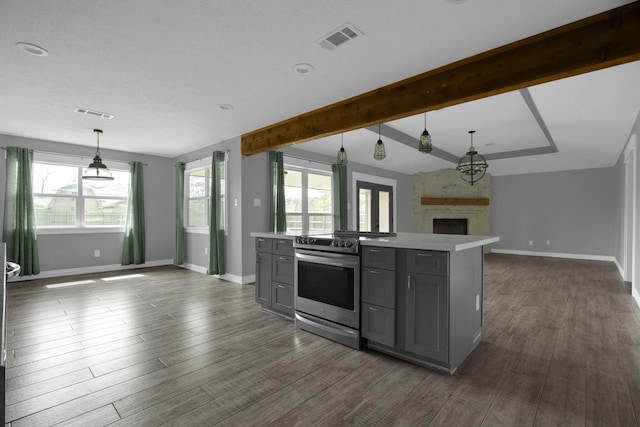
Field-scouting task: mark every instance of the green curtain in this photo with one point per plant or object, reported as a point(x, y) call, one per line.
point(340, 219)
point(216, 216)
point(277, 215)
point(178, 250)
point(19, 226)
point(134, 238)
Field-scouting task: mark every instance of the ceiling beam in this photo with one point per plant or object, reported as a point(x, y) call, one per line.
point(601, 41)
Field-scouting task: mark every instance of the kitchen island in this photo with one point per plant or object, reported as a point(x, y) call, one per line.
point(421, 295)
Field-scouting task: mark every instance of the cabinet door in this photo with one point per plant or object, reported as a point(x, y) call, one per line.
point(379, 287)
point(282, 298)
point(378, 324)
point(428, 262)
point(263, 278)
point(283, 269)
point(427, 316)
point(283, 246)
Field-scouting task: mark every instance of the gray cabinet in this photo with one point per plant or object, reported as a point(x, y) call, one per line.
point(427, 316)
point(378, 292)
point(274, 275)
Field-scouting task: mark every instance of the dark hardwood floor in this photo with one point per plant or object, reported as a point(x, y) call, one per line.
point(561, 346)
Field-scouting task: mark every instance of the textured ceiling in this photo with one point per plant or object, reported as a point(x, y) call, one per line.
point(163, 68)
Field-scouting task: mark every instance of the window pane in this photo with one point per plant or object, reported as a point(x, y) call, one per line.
point(319, 194)
point(197, 213)
point(197, 183)
point(55, 211)
point(105, 211)
point(294, 222)
point(364, 210)
point(292, 178)
point(320, 223)
point(119, 187)
point(55, 179)
point(384, 207)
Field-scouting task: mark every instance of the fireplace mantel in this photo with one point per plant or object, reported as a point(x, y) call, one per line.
point(452, 201)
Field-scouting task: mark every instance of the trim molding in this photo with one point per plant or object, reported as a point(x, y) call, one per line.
point(558, 255)
point(95, 269)
point(241, 280)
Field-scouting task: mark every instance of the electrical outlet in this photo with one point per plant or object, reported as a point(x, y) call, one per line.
point(256, 202)
point(96, 253)
point(548, 242)
point(206, 251)
point(530, 242)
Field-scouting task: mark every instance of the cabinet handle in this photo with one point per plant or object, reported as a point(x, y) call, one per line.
point(409, 282)
point(282, 242)
point(423, 254)
point(375, 272)
point(261, 240)
point(281, 258)
point(377, 251)
point(374, 309)
point(281, 286)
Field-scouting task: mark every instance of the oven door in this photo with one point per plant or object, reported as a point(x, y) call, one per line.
point(327, 285)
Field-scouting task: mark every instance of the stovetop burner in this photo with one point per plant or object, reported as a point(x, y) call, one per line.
point(339, 241)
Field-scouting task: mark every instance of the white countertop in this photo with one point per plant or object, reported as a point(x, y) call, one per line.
point(434, 242)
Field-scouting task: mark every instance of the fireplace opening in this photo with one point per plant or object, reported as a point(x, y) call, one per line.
point(450, 226)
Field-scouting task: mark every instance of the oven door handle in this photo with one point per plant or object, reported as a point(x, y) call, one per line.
point(328, 258)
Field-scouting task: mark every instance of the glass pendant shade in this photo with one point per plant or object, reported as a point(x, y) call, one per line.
point(97, 173)
point(342, 154)
point(425, 142)
point(472, 166)
point(425, 139)
point(379, 152)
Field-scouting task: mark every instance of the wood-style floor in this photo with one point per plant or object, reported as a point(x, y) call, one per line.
point(561, 346)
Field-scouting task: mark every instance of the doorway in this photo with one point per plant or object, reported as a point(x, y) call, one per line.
point(375, 207)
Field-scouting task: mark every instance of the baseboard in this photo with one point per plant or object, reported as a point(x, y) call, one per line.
point(241, 280)
point(620, 269)
point(558, 255)
point(635, 294)
point(88, 270)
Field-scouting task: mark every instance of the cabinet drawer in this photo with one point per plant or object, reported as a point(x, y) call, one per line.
point(379, 287)
point(263, 244)
point(378, 324)
point(283, 246)
point(375, 257)
point(428, 262)
point(282, 269)
point(282, 298)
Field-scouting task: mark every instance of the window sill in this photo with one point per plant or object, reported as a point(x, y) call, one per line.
point(78, 230)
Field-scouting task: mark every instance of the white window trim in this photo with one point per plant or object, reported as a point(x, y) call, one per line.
point(67, 160)
point(358, 176)
point(198, 165)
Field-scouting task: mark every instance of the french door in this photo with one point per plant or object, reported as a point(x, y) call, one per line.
point(375, 207)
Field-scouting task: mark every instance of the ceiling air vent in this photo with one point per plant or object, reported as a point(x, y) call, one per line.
point(338, 37)
point(94, 113)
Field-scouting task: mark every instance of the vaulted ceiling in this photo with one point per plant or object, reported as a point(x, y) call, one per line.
point(167, 71)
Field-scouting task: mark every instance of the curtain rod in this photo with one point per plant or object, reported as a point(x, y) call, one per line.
point(71, 155)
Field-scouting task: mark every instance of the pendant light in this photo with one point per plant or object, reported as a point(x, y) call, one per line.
point(472, 166)
point(379, 152)
point(97, 173)
point(425, 139)
point(342, 154)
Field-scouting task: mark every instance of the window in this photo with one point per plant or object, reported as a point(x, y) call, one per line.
point(198, 191)
point(63, 200)
point(308, 195)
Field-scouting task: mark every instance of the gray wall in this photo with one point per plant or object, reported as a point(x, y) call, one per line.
point(578, 211)
point(75, 250)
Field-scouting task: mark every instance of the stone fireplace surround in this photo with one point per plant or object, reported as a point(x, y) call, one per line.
point(447, 184)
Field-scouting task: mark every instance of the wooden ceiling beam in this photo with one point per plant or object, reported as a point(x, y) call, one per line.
point(603, 40)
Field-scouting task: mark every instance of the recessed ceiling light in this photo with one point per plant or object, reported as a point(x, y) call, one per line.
point(303, 68)
point(32, 49)
point(226, 107)
point(457, 1)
